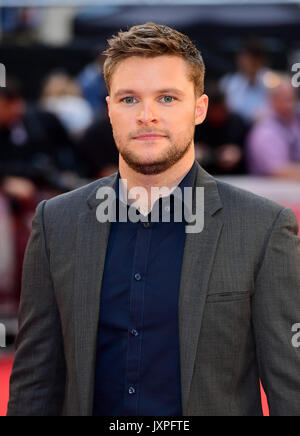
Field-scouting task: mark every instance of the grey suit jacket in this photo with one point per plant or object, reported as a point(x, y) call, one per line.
point(239, 298)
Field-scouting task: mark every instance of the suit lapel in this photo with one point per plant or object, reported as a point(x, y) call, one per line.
point(91, 245)
point(199, 253)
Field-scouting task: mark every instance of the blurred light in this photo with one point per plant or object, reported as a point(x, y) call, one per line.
point(271, 80)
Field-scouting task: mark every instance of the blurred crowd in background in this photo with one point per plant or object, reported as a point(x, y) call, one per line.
point(63, 139)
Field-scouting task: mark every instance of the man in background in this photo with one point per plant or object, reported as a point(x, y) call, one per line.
point(245, 90)
point(34, 144)
point(273, 146)
point(35, 153)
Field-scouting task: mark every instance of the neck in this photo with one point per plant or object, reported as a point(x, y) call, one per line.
point(169, 178)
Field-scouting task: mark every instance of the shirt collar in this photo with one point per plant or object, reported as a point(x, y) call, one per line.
point(187, 182)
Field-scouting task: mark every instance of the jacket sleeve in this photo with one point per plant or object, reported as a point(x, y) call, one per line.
point(37, 382)
point(276, 309)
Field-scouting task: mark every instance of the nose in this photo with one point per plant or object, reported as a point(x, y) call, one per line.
point(147, 114)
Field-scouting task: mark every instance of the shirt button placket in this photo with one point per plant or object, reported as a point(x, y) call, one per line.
point(137, 277)
point(135, 330)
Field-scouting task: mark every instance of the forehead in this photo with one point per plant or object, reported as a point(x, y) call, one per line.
point(160, 71)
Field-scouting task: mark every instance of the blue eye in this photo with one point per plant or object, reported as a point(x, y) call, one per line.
point(128, 100)
point(168, 99)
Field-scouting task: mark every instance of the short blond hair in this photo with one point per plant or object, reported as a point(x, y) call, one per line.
point(151, 40)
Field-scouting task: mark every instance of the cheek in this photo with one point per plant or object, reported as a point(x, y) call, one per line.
point(119, 121)
point(176, 118)
point(184, 119)
point(123, 116)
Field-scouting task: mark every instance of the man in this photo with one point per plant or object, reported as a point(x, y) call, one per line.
point(245, 90)
point(273, 146)
point(147, 318)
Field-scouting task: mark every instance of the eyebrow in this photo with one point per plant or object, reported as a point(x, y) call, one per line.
point(161, 91)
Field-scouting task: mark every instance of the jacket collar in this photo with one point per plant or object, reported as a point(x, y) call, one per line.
point(197, 177)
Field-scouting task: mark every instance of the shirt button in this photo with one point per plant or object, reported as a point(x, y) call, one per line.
point(131, 390)
point(134, 332)
point(137, 276)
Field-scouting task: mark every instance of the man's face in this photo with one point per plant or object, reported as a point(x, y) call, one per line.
point(249, 65)
point(153, 111)
point(284, 101)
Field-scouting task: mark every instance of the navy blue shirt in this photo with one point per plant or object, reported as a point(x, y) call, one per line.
point(138, 360)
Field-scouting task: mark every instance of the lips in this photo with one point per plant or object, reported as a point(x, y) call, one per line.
point(149, 137)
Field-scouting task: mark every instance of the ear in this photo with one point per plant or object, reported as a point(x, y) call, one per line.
point(201, 109)
point(108, 104)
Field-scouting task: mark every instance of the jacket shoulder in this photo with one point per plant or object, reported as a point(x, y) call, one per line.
point(69, 205)
point(246, 203)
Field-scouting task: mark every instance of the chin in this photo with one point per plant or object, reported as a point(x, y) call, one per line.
point(145, 158)
point(149, 167)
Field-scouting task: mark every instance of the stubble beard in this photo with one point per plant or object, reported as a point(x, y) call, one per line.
point(173, 155)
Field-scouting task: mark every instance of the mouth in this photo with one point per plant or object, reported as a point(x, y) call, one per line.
point(149, 137)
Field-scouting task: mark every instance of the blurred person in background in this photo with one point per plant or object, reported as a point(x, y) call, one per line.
point(34, 144)
point(273, 145)
point(97, 151)
point(36, 154)
point(93, 86)
point(219, 141)
point(245, 90)
point(62, 96)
